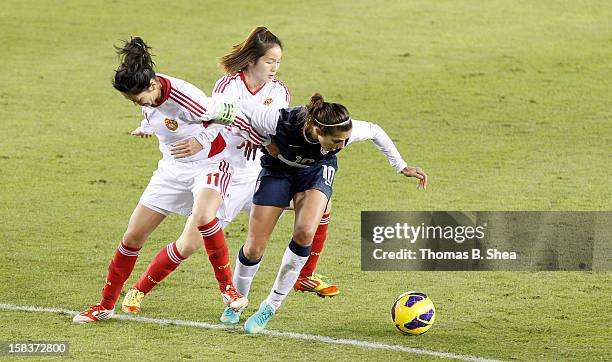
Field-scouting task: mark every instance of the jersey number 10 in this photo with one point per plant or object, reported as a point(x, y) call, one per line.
point(328, 174)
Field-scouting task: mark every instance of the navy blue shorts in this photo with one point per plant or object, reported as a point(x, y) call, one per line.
point(276, 187)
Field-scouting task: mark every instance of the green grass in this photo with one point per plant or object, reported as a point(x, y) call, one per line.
point(505, 104)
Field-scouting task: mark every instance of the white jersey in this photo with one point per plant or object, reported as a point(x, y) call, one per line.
point(273, 94)
point(183, 113)
point(233, 87)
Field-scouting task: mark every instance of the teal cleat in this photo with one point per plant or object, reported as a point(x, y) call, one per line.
point(257, 322)
point(230, 316)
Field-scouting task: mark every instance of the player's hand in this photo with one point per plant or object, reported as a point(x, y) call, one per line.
point(186, 148)
point(138, 132)
point(250, 149)
point(273, 150)
point(418, 173)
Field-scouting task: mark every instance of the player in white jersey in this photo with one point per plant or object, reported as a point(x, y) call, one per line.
point(185, 182)
point(251, 69)
point(300, 166)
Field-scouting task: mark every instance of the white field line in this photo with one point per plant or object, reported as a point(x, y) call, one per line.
point(302, 336)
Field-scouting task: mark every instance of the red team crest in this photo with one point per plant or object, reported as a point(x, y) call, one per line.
point(171, 124)
point(268, 101)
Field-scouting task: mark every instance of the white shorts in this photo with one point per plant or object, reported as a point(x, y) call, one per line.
point(174, 184)
point(241, 199)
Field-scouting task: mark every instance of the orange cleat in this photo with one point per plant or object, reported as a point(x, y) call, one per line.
point(315, 284)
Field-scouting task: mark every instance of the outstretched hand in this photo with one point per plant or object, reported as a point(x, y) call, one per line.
point(250, 149)
point(186, 148)
point(418, 173)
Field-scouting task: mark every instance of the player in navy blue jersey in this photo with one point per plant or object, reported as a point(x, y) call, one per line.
point(299, 164)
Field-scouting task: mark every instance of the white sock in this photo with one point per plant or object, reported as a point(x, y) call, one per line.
point(244, 273)
point(293, 260)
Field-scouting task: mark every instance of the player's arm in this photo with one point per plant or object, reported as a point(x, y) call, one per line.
point(200, 109)
point(144, 130)
point(250, 121)
point(255, 122)
point(363, 131)
point(197, 107)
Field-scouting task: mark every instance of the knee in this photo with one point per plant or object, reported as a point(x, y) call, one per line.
point(303, 235)
point(253, 251)
point(203, 217)
point(187, 247)
point(134, 238)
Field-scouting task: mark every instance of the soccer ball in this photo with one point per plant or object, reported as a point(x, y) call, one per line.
point(413, 313)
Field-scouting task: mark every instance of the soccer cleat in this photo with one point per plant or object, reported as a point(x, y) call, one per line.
point(230, 316)
point(258, 321)
point(131, 302)
point(93, 314)
point(315, 284)
point(234, 300)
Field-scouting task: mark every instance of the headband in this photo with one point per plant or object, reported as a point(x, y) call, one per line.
point(333, 125)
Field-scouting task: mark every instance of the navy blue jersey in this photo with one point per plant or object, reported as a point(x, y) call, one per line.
point(285, 128)
point(295, 150)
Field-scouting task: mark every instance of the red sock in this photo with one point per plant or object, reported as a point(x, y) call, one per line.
point(119, 270)
point(164, 263)
point(216, 248)
point(318, 242)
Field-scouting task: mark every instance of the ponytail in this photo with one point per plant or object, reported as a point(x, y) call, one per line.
point(328, 117)
point(137, 67)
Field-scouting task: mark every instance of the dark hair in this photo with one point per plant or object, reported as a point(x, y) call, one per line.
point(328, 117)
point(136, 70)
point(252, 48)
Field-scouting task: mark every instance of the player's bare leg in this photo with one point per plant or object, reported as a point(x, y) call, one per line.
point(309, 207)
point(204, 217)
point(143, 222)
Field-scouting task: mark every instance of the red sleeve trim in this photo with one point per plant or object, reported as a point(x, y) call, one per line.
point(225, 81)
point(186, 102)
point(245, 126)
point(220, 83)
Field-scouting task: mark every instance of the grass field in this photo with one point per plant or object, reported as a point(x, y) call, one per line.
point(506, 104)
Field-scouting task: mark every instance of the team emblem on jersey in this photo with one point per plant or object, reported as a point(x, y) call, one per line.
point(268, 101)
point(171, 124)
point(324, 151)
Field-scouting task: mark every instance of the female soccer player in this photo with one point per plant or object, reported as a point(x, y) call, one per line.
point(185, 182)
point(251, 69)
point(300, 165)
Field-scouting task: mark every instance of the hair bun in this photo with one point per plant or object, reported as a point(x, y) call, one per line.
point(316, 101)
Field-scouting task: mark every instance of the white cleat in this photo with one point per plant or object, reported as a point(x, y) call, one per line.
point(93, 314)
